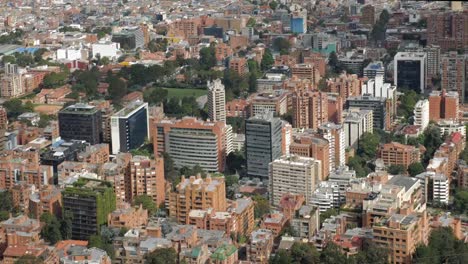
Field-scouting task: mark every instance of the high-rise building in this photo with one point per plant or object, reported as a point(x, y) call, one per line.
point(368, 15)
point(216, 101)
point(448, 30)
point(293, 174)
point(262, 143)
point(313, 146)
point(421, 114)
point(356, 123)
point(90, 202)
point(378, 106)
point(443, 105)
point(310, 109)
point(335, 135)
point(80, 122)
point(3, 128)
point(453, 77)
point(410, 70)
point(11, 82)
point(129, 127)
point(298, 19)
point(146, 177)
point(195, 193)
point(345, 85)
point(433, 60)
point(193, 142)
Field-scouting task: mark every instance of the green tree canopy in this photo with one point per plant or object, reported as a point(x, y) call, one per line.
point(262, 206)
point(267, 60)
point(162, 255)
point(147, 203)
point(368, 145)
point(415, 169)
point(396, 169)
point(117, 89)
point(155, 95)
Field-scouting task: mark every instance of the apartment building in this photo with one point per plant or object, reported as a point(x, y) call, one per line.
point(195, 193)
point(335, 135)
point(260, 246)
point(129, 217)
point(11, 82)
point(239, 65)
point(378, 106)
point(436, 187)
point(421, 114)
point(345, 85)
point(309, 109)
point(146, 177)
point(313, 146)
point(356, 123)
point(452, 69)
point(306, 71)
point(274, 101)
point(443, 105)
point(307, 174)
point(47, 200)
point(192, 142)
point(216, 101)
point(395, 153)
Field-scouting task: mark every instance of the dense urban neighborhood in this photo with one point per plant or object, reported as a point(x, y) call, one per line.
point(233, 132)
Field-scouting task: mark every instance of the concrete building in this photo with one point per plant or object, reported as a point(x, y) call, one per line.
point(312, 146)
point(260, 246)
point(395, 153)
point(80, 122)
point(130, 127)
point(239, 65)
point(443, 105)
point(89, 201)
point(449, 126)
point(433, 61)
point(275, 101)
point(306, 71)
point(309, 109)
point(195, 193)
point(452, 69)
point(263, 142)
point(335, 135)
point(374, 69)
point(105, 49)
point(146, 177)
point(307, 174)
point(421, 114)
point(11, 82)
point(129, 217)
point(448, 30)
point(353, 62)
point(410, 70)
point(436, 187)
point(368, 16)
point(192, 142)
point(298, 19)
point(356, 123)
point(345, 85)
point(377, 105)
point(216, 101)
point(47, 200)
point(306, 221)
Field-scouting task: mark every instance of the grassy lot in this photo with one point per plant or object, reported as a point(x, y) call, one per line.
point(182, 92)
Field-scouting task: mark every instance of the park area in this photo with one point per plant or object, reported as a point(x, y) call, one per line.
point(184, 92)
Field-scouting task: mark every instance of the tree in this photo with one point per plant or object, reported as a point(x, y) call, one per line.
point(207, 57)
point(155, 95)
point(51, 231)
point(252, 82)
point(147, 203)
point(117, 89)
point(235, 162)
point(281, 257)
point(251, 22)
point(273, 5)
point(327, 214)
point(267, 60)
point(281, 44)
point(159, 44)
point(54, 79)
point(262, 206)
point(332, 255)
point(304, 253)
point(162, 255)
point(104, 61)
point(432, 141)
point(415, 169)
point(358, 164)
point(396, 169)
point(102, 242)
point(66, 225)
point(368, 145)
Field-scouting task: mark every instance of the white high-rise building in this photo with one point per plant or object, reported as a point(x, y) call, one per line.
point(216, 101)
point(335, 135)
point(356, 123)
point(436, 187)
point(294, 174)
point(421, 114)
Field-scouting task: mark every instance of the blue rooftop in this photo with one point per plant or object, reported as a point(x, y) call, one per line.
point(28, 50)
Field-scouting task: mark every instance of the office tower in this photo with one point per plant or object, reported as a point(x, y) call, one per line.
point(216, 101)
point(421, 114)
point(193, 142)
point(293, 174)
point(374, 69)
point(90, 202)
point(335, 135)
point(433, 60)
point(309, 109)
point(410, 71)
point(378, 106)
point(262, 143)
point(146, 177)
point(448, 30)
point(195, 193)
point(368, 15)
point(129, 127)
point(11, 82)
point(453, 77)
point(130, 38)
point(443, 105)
point(356, 123)
point(80, 122)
